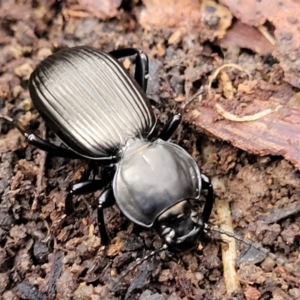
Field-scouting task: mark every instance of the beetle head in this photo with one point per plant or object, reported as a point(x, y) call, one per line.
point(180, 226)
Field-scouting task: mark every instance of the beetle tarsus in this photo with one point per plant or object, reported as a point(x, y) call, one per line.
point(90, 275)
point(13, 123)
point(106, 199)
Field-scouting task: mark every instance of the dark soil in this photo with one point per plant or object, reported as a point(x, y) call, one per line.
point(263, 192)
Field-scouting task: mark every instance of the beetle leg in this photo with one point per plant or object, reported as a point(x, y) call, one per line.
point(106, 199)
point(141, 70)
point(141, 64)
point(82, 188)
point(41, 143)
point(51, 148)
point(170, 127)
point(206, 184)
point(61, 151)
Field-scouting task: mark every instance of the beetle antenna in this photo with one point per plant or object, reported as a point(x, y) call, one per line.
point(252, 244)
point(139, 261)
point(192, 98)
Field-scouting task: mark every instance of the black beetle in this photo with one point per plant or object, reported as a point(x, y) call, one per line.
point(102, 114)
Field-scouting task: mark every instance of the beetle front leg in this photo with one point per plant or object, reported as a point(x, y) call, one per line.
point(106, 199)
point(171, 127)
point(206, 184)
point(141, 64)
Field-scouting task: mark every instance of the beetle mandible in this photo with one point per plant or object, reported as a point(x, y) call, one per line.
point(102, 114)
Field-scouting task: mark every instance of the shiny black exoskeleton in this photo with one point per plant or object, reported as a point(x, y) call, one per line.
point(100, 113)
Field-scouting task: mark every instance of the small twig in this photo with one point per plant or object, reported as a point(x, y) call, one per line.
point(264, 31)
point(70, 13)
point(229, 255)
point(229, 116)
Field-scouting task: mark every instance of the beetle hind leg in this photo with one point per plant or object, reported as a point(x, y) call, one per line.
point(39, 142)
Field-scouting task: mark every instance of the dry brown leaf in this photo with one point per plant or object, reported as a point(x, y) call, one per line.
point(245, 36)
point(229, 116)
point(170, 13)
point(247, 11)
point(208, 20)
point(284, 16)
point(217, 16)
point(274, 134)
point(102, 9)
point(183, 15)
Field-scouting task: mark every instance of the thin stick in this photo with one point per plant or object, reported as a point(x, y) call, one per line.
point(229, 255)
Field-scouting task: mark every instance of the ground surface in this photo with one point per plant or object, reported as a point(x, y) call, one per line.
point(263, 191)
